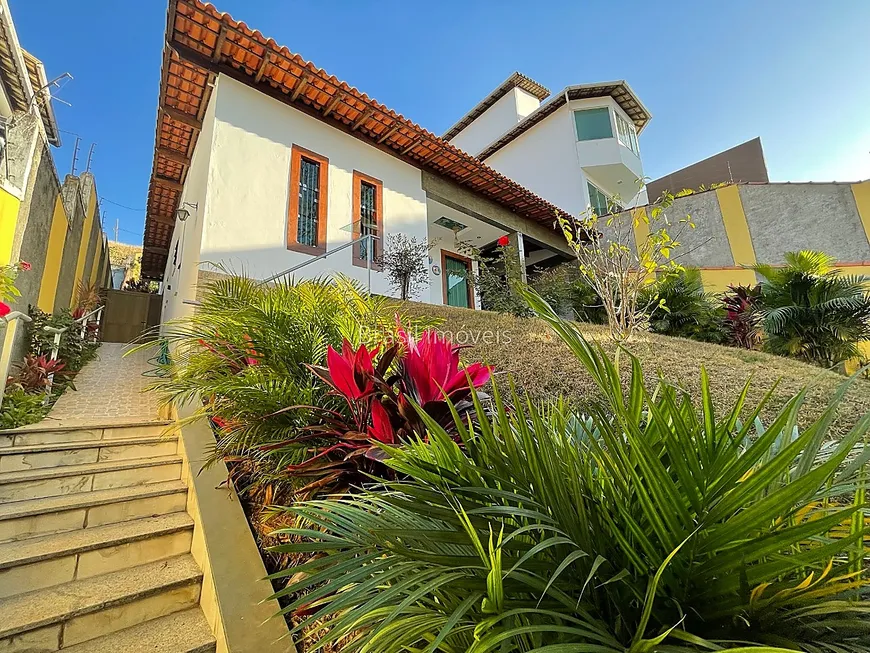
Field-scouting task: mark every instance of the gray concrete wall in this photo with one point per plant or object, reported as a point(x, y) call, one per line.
point(707, 244)
point(33, 228)
point(791, 217)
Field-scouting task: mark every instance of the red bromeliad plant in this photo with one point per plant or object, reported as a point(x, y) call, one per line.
point(742, 317)
point(382, 390)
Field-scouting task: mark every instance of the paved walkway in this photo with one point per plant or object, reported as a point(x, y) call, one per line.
point(109, 390)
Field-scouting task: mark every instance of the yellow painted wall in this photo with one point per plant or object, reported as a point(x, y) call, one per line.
point(736, 227)
point(717, 280)
point(9, 205)
point(83, 245)
point(861, 193)
point(53, 257)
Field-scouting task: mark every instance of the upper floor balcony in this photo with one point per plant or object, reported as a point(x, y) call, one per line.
point(607, 149)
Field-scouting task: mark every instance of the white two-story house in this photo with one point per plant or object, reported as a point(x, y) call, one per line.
point(577, 148)
point(265, 163)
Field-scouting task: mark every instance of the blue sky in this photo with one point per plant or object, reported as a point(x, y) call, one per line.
point(713, 74)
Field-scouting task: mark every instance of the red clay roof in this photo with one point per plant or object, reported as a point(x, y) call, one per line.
point(203, 42)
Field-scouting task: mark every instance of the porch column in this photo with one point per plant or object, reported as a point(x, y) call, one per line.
point(516, 242)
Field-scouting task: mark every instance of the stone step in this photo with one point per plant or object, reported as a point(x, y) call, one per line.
point(50, 435)
point(39, 456)
point(40, 562)
point(181, 632)
point(84, 610)
point(70, 479)
point(69, 512)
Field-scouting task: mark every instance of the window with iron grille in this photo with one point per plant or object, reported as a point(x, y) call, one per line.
point(309, 202)
point(368, 223)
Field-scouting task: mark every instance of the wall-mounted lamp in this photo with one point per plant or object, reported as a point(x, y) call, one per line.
point(182, 214)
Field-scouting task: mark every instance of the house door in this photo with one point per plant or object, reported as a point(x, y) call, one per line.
point(457, 280)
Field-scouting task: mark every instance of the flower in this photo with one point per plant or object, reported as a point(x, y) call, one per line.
point(5, 309)
point(381, 428)
point(503, 241)
point(24, 265)
point(351, 371)
point(430, 368)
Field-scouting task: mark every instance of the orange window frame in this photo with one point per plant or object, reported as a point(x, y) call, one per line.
point(298, 153)
point(358, 179)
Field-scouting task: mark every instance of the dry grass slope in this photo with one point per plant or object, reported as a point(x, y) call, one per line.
point(542, 365)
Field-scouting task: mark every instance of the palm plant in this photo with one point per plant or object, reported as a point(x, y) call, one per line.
point(679, 306)
point(811, 311)
point(649, 524)
point(241, 360)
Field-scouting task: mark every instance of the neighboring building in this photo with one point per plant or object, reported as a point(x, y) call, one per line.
point(740, 164)
point(579, 148)
point(53, 226)
point(264, 162)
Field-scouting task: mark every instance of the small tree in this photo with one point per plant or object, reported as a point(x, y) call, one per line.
point(404, 262)
point(621, 253)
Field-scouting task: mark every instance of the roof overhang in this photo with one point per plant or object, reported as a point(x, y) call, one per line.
point(13, 70)
point(39, 84)
point(516, 80)
point(202, 42)
point(620, 91)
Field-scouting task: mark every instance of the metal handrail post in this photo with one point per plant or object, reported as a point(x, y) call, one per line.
point(55, 348)
point(12, 320)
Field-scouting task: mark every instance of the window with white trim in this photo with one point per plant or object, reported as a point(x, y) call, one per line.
point(626, 133)
point(600, 202)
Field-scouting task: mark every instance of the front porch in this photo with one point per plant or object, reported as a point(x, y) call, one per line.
point(458, 237)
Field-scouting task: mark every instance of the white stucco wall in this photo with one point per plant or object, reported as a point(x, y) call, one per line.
point(495, 121)
point(248, 187)
point(544, 160)
point(180, 274)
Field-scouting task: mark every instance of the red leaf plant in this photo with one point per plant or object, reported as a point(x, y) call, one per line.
point(33, 373)
point(380, 389)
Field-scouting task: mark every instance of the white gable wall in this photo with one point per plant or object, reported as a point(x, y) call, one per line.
point(544, 160)
point(248, 187)
point(495, 121)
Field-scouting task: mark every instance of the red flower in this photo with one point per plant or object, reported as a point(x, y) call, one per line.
point(381, 428)
point(503, 241)
point(431, 366)
point(351, 371)
point(5, 309)
point(24, 265)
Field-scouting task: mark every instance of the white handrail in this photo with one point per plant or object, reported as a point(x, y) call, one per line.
point(370, 252)
point(12, 319)
point(83, 320)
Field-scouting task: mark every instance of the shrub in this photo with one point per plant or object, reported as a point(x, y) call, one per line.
point(646, 525)
point(241, 359)
point(497, 280)
point(569, 292)
point(680, 307)
point(74, 351)
point(21, 408)
point(742, 322)
point(811, 311)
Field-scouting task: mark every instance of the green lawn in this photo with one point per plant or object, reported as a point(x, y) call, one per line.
point(527, 350)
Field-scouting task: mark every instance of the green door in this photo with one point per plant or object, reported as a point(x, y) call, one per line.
point(456, 272)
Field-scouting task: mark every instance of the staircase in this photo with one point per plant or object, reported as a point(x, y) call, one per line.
point(95, 543)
